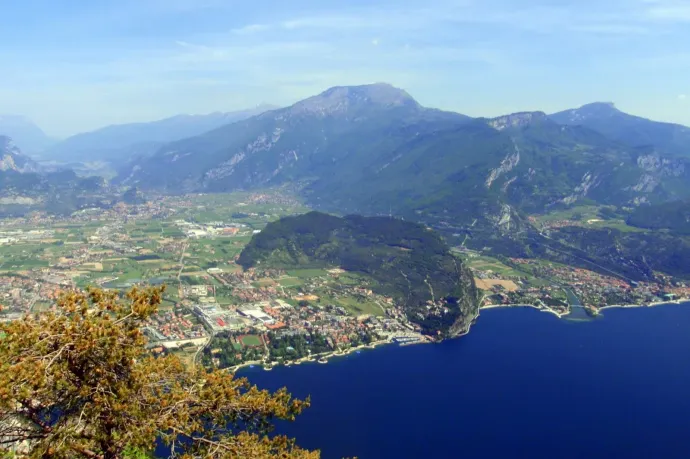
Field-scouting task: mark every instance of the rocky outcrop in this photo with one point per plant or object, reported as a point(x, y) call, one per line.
point(507, 165)
point(468, 304)
point(504, 220)
point(589, 181)
point(341, 99)
point(662, 166)
point(516, 120)
point(12, 159)
point(264, 142)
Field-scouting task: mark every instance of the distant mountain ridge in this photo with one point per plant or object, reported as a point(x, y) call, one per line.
point(123, 141)
point(374, 149)
point(24, 187)
point(627, 129)
point(343, 125)
point(27, 135)
point(344, 98)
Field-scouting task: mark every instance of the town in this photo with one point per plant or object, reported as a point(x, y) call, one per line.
point(190, 244)
point(216, 313)
point(555, 288)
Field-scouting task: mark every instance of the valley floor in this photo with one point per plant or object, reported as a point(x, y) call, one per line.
point(215, 313)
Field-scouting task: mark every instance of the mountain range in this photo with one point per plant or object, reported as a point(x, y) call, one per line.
point(27, 135)
point(635, 131)
point(374, 149)
point(25, 187)
point(120, 143)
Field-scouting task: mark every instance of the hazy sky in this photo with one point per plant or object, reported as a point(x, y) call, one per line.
point(74, 65)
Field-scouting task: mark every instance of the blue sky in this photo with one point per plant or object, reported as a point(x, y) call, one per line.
point(75, 65)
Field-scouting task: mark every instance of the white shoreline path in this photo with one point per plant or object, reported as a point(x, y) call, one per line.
point(597, 310)
point(538, 308)
point(650, 305)
point(315, 358)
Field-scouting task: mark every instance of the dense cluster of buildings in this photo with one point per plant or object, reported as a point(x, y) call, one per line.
point(171, 326)
point(11, 236)
point(209, 230)
point(590, 288)
point(217, 319)
point(262, 304)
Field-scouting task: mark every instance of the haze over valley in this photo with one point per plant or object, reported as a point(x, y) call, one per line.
point(192, 193)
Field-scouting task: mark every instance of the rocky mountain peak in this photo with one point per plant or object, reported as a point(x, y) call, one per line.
point(344, 98)
point(597, 109)
point(516, 120)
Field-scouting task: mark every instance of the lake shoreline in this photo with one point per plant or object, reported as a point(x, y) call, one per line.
point(560, 315)
point(619, 382)
point(650, 305)
point(423, 339)
point(316, 358)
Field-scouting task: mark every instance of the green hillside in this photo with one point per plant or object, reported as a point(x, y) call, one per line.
point(405, 260)
point(674, 216)
point(373, 149)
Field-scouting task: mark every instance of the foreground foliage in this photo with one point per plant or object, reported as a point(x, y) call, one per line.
point(78, 382)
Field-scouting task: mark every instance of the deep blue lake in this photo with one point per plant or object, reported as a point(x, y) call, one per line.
point(522, 384)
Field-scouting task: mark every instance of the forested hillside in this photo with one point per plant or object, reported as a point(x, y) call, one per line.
point(405, 261)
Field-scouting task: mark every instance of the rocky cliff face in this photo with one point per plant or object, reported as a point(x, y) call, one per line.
point(468, 303)
point(654, 163)
point(339, 128)
point(372, 149)
point(507, 165)
point(12, 159)
point(516, 120)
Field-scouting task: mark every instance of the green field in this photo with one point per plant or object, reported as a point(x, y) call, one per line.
point(237, 207)
point(616, 224)
point(588, 216)
point(291, 282)
point(148, 250)
point(484, 263)
point(307, 273)
point(583, 213)
point(350, 279)
point(357, 307)
point(250, 341)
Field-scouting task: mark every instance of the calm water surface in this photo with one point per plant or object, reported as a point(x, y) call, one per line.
point(521, 384)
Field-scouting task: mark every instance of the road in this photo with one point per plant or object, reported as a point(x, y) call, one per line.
point(181, 263)
point(201, 348)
